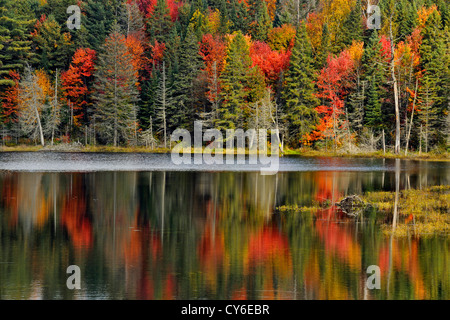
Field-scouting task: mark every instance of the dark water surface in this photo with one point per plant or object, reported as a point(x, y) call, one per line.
point(140, 227)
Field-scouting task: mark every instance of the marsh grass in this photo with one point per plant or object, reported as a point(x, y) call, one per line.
point(421, 212)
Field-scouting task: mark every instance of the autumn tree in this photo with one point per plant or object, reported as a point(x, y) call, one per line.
point(333, 83)
point(75, 84)
point(116, 93)
point(32, 99)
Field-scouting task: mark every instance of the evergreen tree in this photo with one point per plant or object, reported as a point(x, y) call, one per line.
point(325, 48)
point(98, 22)
point(433, 93)
point(299, 92)
point(53, 48)
point(189, 67)
point(260, 27)
point(239, 16)
point(352, 28)
point(374, 76)
point(15, 45)
point(235, 80)
point(160, 23)
point(116, 93)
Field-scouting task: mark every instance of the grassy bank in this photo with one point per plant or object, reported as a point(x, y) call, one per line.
point(445, 156)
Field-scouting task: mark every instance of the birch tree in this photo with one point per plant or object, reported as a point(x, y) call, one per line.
point(31, 103)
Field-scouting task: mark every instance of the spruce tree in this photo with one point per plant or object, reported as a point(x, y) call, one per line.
point(433, 92)
point(235, 80)
point(352, 28)
point(116, 94)
point(299, 92)
point(160, 22)
point(374, 76)
point(15, 44)
point(98, 22)
point(190, 64)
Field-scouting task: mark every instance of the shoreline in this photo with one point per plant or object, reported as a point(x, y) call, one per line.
point(308, 153)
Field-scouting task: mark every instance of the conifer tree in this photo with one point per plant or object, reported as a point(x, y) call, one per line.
point(116, 93)
point(374, 77)
point(160, 22)
point(433, 92)
point(299, 92)
point(235, 79)
point(190, 64)
point(15, 44)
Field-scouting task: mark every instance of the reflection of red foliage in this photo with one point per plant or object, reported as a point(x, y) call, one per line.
point(211, 249)
point(266, 244)
point(77, 224)
point(9, 196)
point(339, 240)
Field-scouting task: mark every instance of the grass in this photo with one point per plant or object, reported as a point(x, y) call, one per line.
point(421, 212)
point(305, 152)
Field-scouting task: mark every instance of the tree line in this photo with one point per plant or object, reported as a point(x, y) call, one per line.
point(312, 69)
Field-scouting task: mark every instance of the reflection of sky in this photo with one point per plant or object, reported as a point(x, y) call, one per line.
point(92, 162)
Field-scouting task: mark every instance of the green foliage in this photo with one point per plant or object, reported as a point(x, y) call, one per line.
point(15, 44)
point(116, 93)
point(299, 91)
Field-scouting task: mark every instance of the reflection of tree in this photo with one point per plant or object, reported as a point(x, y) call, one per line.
point(205, 235)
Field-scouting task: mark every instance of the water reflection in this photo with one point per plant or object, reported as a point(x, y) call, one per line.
point(194, 235)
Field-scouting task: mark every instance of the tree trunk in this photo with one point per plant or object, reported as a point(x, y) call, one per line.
point(412, 118)
point(394, 80)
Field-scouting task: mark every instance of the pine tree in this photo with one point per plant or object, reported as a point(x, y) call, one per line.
point(374, 76)
point(325, 48)
point(160, 22)
point(98, 22)
point(299, 92)
point(239, 16)
point(163, 104)
point(352, 28)
point(261, 23)
point(190, 64)
point(53, 48)
point(116, 93)
point(15, 46)
point(433, 92)
point(235, 80)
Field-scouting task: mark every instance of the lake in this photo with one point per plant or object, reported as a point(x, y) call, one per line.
point(140, 227)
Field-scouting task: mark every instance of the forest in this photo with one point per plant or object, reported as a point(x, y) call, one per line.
point(314, 70)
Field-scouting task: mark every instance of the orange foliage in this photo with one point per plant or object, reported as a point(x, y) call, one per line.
point(314, 27)
point(271, 63)
point(74, 81)
point(9, 99)
point(281, 38)
point(422, 15)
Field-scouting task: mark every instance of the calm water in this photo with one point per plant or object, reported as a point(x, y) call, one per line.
point(142, 228)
